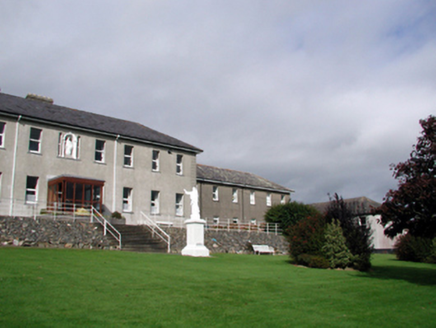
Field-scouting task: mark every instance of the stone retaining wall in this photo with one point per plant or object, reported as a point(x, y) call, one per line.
point(44, 232)
point(229, 241)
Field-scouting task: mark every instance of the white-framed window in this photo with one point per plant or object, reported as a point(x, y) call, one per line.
point(127, 199)
point(283, 199)
point(154, 209)
point(155, 161)
point(35, 140)
point(2, 134)
point(235, 220)
point(179, 164)
point(31, 190)
point(99, 155)
point(179, 204)
point(268, 199)
point(69, 145)
point(215, 194)
point(216, 220)
point(235, 195)
point(253, 222)
point(128, 156)
point(252, 198)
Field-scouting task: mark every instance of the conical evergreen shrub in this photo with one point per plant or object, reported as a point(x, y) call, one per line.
point(335, 249)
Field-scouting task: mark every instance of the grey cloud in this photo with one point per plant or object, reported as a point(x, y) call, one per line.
point(317, 96)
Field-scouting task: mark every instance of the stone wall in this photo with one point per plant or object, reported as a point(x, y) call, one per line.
point(44, 232)
point(229, 241)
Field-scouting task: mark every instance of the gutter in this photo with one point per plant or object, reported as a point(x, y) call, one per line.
point(109, 134)
point(14, 164)
point(245, 186)
point(114, 191)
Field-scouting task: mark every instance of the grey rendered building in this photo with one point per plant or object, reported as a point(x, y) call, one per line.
point(53, 156)
point(236, 197)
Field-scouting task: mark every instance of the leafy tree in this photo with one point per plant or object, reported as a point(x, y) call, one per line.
point(358, 237)
point(335, 249)
point(306, 239)
point(289, 214)
point(413, 205)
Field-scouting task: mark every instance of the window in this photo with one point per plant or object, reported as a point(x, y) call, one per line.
point(2, 134)
point(235, 195)
point(127, 199)
point(235, 220)
point(155, 161)
point(154, 202)
point(35, 140)
point(179, 204)
point(69, 145)
point(268, 199)
point(179, 164)
point(215, 195)
point(99, 151)
point(128, 156)
point(282, 199)
point(253, 222)
point(68, 193)
point(216, 220)
point(31, 190)
point(252, 198)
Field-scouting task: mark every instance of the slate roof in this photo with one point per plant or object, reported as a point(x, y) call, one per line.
point(217, 175)
point(54, 114)
point(358, 205)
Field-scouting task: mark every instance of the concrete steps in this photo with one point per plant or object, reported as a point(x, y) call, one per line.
point(139, 239)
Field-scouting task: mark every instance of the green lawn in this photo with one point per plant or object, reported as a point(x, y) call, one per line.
point(83, 288)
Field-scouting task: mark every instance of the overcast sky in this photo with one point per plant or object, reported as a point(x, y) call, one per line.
point(318, 96)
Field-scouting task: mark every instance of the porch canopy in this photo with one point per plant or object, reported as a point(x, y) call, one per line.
point(70, 192)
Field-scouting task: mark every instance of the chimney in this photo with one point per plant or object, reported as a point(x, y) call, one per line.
point(39, 98)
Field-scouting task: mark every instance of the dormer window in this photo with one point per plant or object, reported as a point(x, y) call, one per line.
point(69, 145)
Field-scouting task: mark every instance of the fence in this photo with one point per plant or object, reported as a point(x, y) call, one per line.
point(223, 225)
point(79, 212)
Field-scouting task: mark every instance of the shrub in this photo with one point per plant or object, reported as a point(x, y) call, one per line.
point(306, 237)
point(432, 257)
point(116, 215)
point(358, 238)
point(416, 249)
point(335, 250)
point(289, 214)
point(319, 262)
point(313, 261)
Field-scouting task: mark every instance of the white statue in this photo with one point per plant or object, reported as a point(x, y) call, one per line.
point(69, 146)
point(193, 195)
point(194, 229)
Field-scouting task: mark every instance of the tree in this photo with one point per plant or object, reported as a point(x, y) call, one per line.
point(289, 214)
point(358, 237)
point(413, 205)
point(335, 249)
point(306, 239)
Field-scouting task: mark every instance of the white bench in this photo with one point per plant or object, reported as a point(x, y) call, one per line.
point(263, 249)
point(167, 223)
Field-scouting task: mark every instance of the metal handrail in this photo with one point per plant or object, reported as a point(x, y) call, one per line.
point(107, 226)
point(150, 224)
point(263, 227)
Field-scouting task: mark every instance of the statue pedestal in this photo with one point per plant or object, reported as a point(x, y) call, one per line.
point(195, 238)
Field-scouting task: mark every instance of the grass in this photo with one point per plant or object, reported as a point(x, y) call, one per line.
point(72, 288)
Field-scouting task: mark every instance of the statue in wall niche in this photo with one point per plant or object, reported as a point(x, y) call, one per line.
point(195, 210)
point(68, 146)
